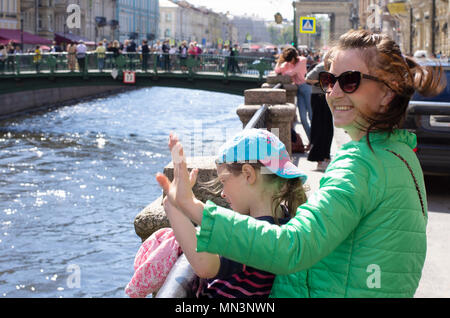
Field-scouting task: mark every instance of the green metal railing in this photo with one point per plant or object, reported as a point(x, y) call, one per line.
point(31, 63)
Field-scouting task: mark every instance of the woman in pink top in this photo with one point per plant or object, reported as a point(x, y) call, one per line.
point(290, 63)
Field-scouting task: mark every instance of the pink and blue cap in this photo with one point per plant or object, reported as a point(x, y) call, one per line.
point(258, 144)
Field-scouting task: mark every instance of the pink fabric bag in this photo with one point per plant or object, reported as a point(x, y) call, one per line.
point(153, 262)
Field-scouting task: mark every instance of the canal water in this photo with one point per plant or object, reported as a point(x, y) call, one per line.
point(73, 179)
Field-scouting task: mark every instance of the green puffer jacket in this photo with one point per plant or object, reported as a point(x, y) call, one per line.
point(361, 234)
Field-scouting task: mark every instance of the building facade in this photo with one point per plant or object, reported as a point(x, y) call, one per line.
point(138, 19)
point(99, 19)
point(251, 29)
point(10, 14)
point(180, 20)
point(414, 24)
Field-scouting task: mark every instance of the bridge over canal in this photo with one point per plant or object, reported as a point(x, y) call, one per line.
point(29, 82)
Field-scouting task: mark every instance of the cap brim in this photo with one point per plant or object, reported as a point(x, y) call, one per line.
point(290, 171)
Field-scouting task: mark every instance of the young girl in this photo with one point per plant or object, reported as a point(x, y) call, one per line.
point(258, 180)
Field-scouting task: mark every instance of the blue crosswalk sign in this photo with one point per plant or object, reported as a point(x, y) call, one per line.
point(307, 25)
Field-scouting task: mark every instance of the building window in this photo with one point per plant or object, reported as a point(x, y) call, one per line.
point(167, 33)
point(168, 17)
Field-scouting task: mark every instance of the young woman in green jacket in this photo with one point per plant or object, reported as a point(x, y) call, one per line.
point(363, 232)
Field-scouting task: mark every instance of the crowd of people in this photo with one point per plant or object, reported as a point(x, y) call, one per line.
point(167, 55)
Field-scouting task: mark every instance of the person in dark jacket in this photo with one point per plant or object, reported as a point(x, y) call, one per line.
point(322, 129)
point(234, 65)
point(166, 56)
point(145, 51)
point(131, 52)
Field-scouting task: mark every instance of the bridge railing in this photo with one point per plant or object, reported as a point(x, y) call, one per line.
point(29, 63)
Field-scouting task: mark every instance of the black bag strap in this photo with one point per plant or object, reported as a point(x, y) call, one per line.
point(414, 178)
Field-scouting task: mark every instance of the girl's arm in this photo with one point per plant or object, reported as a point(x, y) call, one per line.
point(205, 265)
point(321, 224)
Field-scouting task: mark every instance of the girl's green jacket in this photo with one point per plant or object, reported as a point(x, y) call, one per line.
point(361, 234)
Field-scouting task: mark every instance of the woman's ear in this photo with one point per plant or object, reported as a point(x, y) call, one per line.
point(249, 173)
point(387, 99)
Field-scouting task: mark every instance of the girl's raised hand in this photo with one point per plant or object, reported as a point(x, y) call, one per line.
point(179, 191)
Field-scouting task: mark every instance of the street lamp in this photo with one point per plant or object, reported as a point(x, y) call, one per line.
point(21, 33)
point(295, 27)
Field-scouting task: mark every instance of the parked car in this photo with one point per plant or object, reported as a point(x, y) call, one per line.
point(429, 119)
point(421, 54)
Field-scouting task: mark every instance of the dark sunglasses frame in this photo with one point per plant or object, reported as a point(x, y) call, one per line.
point(342, 83)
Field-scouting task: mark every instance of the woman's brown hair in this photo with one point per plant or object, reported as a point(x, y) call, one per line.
point(291, 192)
point(402, 74)
point(289, 53)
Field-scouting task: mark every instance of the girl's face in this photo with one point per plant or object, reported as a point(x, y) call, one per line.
point(347, 109)
point(234, 189)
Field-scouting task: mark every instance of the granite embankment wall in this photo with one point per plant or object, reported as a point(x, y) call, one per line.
point(32, 100)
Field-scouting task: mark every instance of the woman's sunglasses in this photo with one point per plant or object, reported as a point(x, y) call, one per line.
point(348, 81)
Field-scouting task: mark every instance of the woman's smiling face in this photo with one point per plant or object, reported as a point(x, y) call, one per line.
point(347, 109)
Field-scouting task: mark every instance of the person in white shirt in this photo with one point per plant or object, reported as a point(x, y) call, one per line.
point(81, 56)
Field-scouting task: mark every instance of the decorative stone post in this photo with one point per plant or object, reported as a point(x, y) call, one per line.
point(291, 89)
point(280, 113)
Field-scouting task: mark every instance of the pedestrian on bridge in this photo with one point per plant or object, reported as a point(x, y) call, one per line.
point(100, 51)
point(11, 60)
point(166, 57)
point(71, 56)
point(37, 58)
point(145, 51)
point(234, 64)
point(363, 232)
point(3, 56)
point(81, 56)
point(183, 52)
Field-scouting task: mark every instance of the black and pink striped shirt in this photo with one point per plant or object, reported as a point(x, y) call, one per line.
point(236, 280)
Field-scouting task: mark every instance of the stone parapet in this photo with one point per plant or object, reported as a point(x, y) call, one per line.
point(274, 78)
point(259, 96)
point(291, 89)
point(280, 113)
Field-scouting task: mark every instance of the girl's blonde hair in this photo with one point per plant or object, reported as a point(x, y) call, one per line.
point(291, 192)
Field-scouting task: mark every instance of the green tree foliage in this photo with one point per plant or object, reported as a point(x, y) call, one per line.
point(280, 35)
